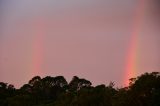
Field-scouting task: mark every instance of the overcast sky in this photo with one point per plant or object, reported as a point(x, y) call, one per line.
point(87, 38)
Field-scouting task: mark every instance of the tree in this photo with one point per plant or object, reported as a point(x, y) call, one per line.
point(143, 89)
point(34, 80)
point(77, 83)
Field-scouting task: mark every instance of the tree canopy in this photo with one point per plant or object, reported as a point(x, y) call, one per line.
point(143, 90)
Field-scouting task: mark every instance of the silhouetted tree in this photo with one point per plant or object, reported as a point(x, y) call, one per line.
point(77, 83)
point(143, 90)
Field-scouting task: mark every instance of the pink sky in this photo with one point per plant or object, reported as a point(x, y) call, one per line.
point(87, 38)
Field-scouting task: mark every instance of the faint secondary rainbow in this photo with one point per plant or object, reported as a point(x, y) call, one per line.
point(132, 54)
point(38, 43)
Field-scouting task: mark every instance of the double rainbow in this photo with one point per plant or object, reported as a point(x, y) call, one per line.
point(131, 62)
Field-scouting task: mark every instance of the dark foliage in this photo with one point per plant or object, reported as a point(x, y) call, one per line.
point(55, 91)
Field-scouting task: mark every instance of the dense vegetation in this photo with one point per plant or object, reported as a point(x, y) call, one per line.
point(55, 91)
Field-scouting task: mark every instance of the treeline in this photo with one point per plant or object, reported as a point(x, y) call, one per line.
point(56, 91)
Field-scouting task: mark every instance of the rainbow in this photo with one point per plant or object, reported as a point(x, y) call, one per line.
point(37, 52)
point(132, 54)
